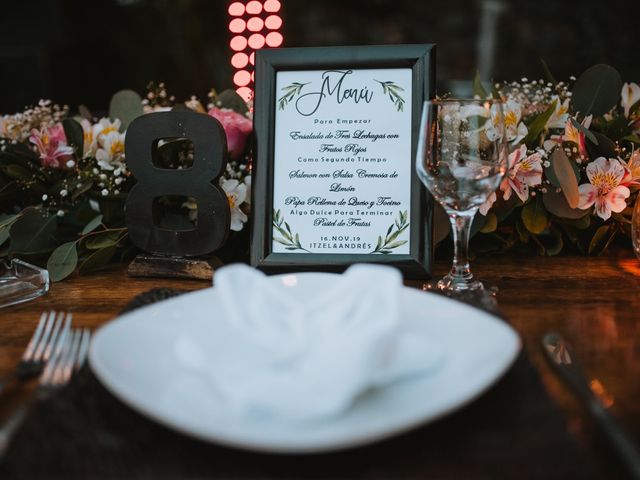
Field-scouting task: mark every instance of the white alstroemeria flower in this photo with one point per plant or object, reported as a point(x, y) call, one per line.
point(514, 128)
point(486, 206)
point(604, 191)
point(236, 195)
point(110, 152)
point(94, 133)
point(524, 172)
point(571, 134)
point(632, 171)
point(105, 126)
point(560, 115)
point(630, 96)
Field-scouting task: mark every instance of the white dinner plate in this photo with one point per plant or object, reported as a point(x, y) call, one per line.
point(134, 357)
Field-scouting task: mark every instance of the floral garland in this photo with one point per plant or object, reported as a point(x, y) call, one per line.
point(574, 166)
point(573, 173)
point(64, 179)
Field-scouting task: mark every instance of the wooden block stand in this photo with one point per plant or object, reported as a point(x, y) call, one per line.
point(158, 266)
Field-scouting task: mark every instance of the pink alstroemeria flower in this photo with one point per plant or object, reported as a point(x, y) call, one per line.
point(632, 171)
point(571, 134)
point(51, 144)
point(237, 128)
point(524, 172)
point(605, 190)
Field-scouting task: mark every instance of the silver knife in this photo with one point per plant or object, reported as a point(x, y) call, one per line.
point(560, 355)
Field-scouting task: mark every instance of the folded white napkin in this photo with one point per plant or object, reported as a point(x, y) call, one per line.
point(281, 350)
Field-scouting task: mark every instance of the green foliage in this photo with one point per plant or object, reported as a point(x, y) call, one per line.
point(597, 90)
point(75, 135)
point(62, 261)
point(33, 233)
point(534, 216)
point(478, 89)
point(537, 126)
point(565, 173)
point(125, 105)
point(92, 225)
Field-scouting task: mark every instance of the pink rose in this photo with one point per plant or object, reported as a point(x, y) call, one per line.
point(237, 128)
point(51, 144)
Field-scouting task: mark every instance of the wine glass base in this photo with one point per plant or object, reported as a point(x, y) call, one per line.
point(475, 292)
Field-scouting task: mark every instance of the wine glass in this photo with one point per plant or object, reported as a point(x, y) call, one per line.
point(461, 159)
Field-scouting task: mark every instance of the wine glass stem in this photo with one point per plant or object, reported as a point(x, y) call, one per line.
point(461, 226)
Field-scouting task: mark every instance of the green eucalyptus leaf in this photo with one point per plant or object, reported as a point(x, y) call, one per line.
point(125, 105)
point(33, 233)
point(92, 225)
point(230, 99)
point(632, 138)
point(75, 135)
point(491, 223)
point(536, 127)
point(102, 240)
point(97, 259)
point(597, 90)
point(585, 131)
point(598, 239)
point(5, 225)
point(556, 204)
point(547, 72)
point(556, 247)
point(604, 148)
point(478, 88)
point(16, 171)
point(566, 176)
point(63, 261)
point(534, 216)
point(580, 223)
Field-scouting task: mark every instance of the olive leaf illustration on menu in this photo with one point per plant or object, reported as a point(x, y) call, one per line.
point(290, 240)
point(389, 242)
point(390, 88)
point(290, 92)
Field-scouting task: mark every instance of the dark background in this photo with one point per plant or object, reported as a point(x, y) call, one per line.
point(82, 51)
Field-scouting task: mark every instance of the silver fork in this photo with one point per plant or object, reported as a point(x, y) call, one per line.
point(40, 346)
point(68, 355)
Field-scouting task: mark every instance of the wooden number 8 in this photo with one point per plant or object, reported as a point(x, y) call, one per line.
point(209, 162)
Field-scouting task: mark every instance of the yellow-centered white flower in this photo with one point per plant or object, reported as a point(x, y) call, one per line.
point(560, 115)
point(514, 129)
point(236, 195)
point(604, 191)
point(629, 97)
point(110, 152)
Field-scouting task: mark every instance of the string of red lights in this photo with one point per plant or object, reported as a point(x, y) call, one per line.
point(253, 25)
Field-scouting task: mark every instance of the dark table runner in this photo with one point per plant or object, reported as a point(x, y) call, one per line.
point(514, 431)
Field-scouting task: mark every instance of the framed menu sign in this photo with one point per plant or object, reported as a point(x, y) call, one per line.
point(334, 175)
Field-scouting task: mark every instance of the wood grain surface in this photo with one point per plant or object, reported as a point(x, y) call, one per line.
point(593, 301)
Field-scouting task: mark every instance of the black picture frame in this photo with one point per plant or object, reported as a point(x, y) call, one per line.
point(268, 62)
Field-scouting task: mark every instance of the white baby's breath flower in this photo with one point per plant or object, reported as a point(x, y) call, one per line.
point(105, 192)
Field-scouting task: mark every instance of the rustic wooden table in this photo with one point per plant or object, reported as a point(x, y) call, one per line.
point(594, 302)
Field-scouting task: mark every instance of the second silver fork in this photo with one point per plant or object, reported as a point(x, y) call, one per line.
point(38, 352)
point(68, 355)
